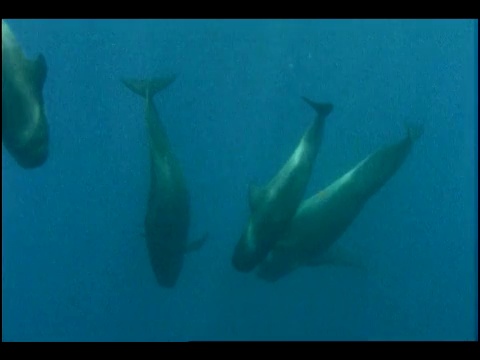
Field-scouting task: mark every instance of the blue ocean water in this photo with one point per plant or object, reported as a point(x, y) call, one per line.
point(75, 264)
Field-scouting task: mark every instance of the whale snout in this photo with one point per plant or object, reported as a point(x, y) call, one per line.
point(35, 158)
point(166, 262)
point(166, 280)
point(242, 262)
point(254, 245)
point(34, 153)
point(245, 258)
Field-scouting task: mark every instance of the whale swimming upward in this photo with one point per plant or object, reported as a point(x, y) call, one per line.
point(167, 219)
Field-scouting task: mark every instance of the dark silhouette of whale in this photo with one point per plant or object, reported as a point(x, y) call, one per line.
point(167, 219)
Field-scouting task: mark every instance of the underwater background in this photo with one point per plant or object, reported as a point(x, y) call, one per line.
point(74, 262)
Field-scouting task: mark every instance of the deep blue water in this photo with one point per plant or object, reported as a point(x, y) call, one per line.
point(74, 263)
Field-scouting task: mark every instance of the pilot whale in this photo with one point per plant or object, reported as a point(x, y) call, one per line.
point(25, 131)
point(274, 205)
point(167, 219)
point(322, 219)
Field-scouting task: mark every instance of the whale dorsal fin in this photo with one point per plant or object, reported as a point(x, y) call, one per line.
point(255, 194)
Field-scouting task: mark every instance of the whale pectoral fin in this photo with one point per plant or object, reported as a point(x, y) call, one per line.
point(337, 256)
point(196, 245)
point(255, 194)
point(39, 71)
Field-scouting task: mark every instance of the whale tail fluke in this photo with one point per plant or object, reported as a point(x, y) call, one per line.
point(322, 109)
point(148, 88)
